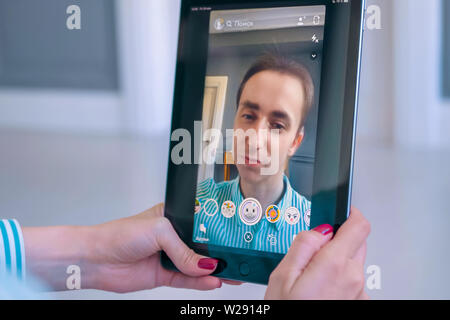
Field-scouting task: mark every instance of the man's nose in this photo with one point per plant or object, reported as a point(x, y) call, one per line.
point(262, 132)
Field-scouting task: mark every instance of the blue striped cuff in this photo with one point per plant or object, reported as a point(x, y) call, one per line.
point(12, 252)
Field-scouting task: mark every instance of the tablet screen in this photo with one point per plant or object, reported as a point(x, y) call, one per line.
point(259, 126)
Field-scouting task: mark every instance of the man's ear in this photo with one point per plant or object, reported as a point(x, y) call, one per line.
point(297, 142)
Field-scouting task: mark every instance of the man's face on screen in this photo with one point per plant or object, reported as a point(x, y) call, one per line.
point(270, 101)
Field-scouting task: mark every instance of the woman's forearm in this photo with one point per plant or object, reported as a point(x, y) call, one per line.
point(51, 250)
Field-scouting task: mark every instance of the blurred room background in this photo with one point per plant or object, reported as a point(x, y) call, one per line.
point(85, 120)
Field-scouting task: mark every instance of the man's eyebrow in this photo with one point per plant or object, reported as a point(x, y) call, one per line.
point(280, 115)
point(251, 105)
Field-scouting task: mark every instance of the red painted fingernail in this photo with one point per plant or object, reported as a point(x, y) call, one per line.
point(207, 263)
point(324, 229)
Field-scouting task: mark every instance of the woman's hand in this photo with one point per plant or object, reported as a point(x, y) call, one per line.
point(319, 267)
point(121, 256)
point(128, 258)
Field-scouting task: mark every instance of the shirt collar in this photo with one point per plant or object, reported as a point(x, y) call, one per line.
point(236, 192)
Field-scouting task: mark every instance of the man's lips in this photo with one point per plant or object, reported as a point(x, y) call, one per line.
point(252, 162)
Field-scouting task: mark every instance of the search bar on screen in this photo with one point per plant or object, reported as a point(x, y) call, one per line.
point(227, 21)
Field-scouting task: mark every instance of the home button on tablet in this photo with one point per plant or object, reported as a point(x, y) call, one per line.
point(244, 269)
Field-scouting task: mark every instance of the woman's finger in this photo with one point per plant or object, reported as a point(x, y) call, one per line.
point(351, 236)
point(178, 280)
point(305, 245)
point(232, 282)
point(302, 250)
point(363, 296)
point(184, 258)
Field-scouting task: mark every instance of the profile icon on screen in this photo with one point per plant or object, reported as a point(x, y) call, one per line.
point(275, 95)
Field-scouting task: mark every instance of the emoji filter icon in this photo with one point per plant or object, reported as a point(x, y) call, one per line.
point(197, 206)
point(292, 215)
point(228, 209)
point(307, 217)
point(250, 211)
point(272, 213)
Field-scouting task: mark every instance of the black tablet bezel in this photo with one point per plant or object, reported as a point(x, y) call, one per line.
point(335, 138)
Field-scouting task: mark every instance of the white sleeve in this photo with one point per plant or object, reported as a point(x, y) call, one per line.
point(12, 251)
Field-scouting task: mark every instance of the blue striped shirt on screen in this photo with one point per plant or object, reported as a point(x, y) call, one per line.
point(213, 228)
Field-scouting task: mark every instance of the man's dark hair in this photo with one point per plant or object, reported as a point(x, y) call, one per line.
point(283, 65)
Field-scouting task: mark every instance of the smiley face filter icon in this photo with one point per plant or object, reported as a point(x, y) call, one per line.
point(228, 209)
point(292, 215)
point(250, 211)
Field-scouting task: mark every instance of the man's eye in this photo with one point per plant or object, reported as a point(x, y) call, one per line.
point(277, 126)
point(247, 117)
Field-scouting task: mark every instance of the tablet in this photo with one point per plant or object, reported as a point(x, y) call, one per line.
point(263, 127)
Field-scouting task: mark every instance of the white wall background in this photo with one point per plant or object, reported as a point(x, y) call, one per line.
point(401, 103)
point(399, 96)
point(147, 39)
point(376, 110)
point(148, 35)
point(422, 116)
